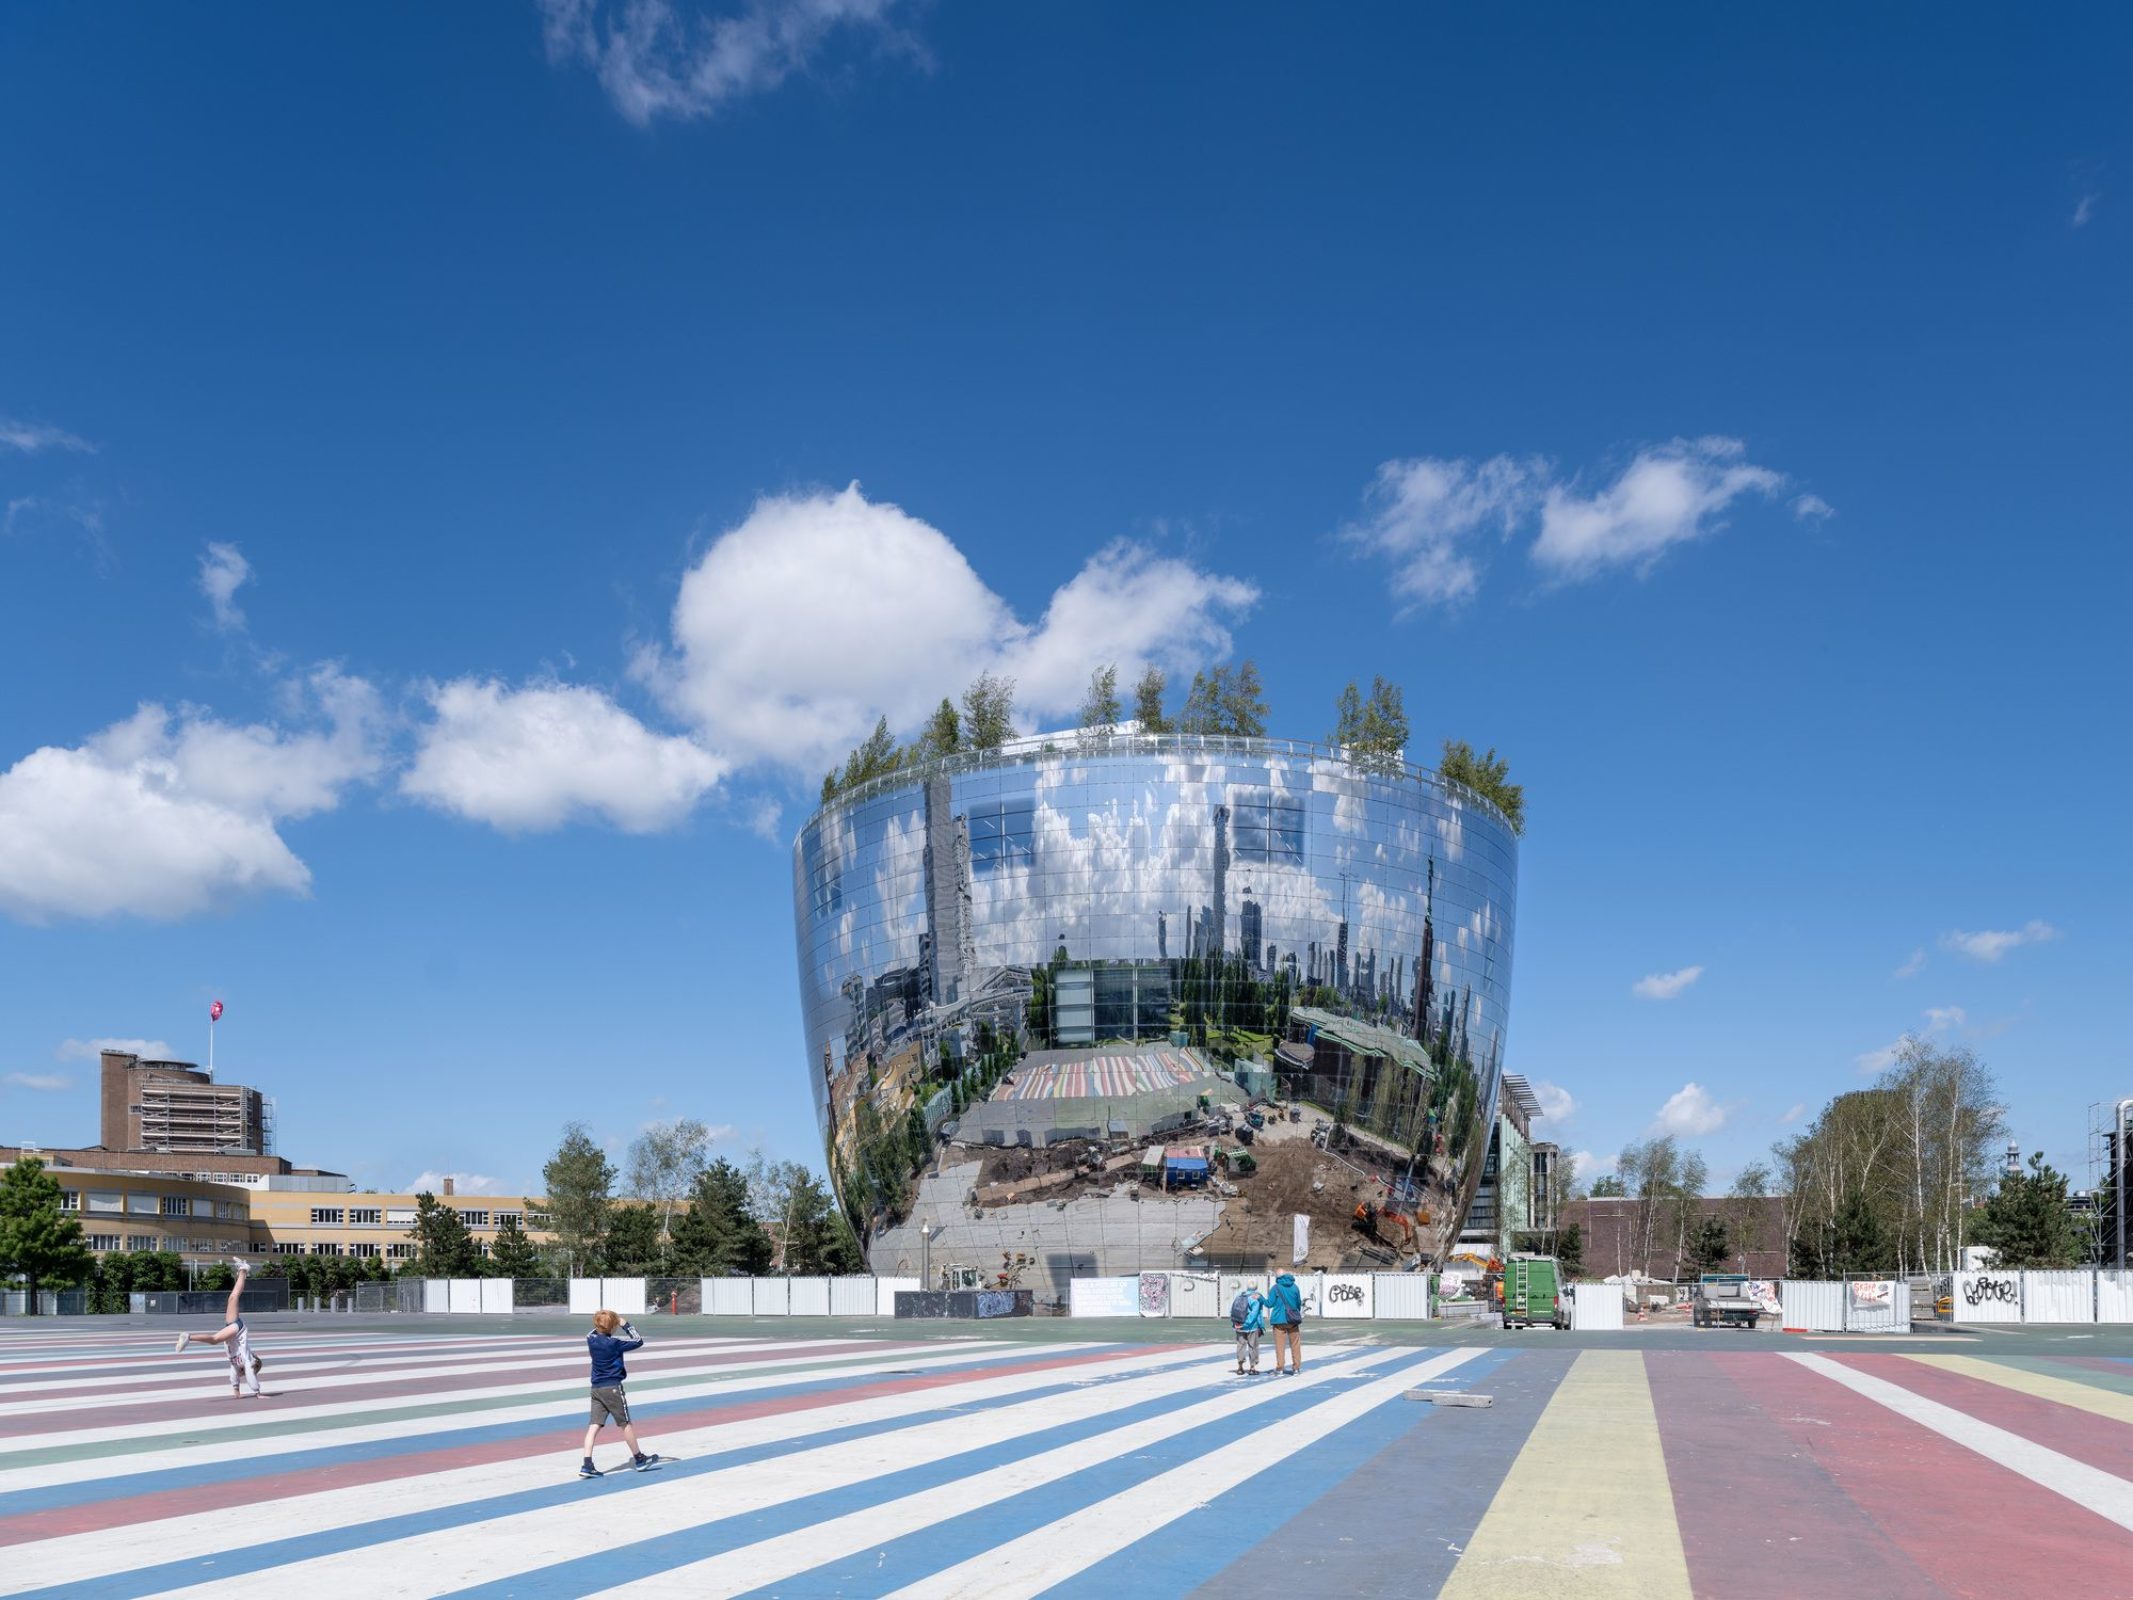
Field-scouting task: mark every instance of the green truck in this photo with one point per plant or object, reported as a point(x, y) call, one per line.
point(1533, 1292)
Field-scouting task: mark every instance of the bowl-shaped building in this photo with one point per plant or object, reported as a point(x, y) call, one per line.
point(1109, 924)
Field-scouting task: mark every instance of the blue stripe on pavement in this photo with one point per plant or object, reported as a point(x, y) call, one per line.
point(647, 1558)
point(20, 1502)
point(962, 1538)
point(141, 1581)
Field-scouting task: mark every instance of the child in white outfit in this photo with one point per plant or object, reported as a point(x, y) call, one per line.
point(234, 1337)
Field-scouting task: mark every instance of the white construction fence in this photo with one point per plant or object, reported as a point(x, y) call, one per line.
point(1338, 1296)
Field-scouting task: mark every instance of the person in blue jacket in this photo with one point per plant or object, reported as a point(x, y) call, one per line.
point(609, 1403)
point(1285, 1311)
point(1247, 1315)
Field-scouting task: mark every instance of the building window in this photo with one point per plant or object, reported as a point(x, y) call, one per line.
point(70, 1199)
point(539, 1219)
point(1002, 835)
point(481, 1247)
point(503, 1217)
point(288, 1247)
point(137, 1243)
point(325, 1214)
point(176, 1205)
point(399, 1252)
point(475, 1219)
point(325, 1248)
point(103, 1241)
point(142, 1205)
point(1268, 826)
point(100, 1201)
point(400, 1216)
point(366, 1250)
point(366, 1216)
point(825, 880)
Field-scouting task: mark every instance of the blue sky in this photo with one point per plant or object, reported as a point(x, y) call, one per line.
point(443, 422)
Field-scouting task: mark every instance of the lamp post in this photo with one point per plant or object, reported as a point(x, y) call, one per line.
point(926, 1232)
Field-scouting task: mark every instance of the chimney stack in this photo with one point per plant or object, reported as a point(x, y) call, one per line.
point(448, 1186)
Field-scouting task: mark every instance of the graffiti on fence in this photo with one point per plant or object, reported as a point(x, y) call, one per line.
point(1992, 1291)
point(996, 1302)
point(1155, 1294)
point(1344, 1293)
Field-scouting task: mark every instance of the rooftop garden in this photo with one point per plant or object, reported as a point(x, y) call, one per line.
point(1371, 729)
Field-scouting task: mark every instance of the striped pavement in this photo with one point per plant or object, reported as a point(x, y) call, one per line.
point(416, 1461)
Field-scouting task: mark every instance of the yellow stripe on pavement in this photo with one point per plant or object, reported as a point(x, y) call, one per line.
point(1586, 1509)
point(2066, 1391)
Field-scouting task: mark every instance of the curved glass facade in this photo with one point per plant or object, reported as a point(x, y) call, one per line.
point(1340, 933)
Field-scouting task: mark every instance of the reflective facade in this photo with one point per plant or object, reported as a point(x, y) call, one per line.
point(1257, 899)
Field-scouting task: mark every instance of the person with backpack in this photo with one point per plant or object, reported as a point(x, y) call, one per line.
point(1247, 1315)
point(1285, 1311)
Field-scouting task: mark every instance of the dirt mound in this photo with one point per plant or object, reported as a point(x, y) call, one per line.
point(1295, 1176)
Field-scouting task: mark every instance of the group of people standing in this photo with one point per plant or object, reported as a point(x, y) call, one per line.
point(1280, 1308)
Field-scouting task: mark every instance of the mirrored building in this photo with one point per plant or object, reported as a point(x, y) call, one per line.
point(1127, 917)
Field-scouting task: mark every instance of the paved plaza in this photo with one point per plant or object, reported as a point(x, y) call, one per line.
point(417, 1456)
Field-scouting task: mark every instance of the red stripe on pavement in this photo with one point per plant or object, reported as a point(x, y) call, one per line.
point(280, 1485)
point(413, 1386)
point(1973, 1527)
point(169, 1374)
point(1759, 1519)
point(2098, 1441)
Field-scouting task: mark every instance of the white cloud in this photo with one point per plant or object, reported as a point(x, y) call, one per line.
point(1690, 1112)
point(1668, 495)
point(535, 758)
point(167, 814)
point(2084, 209)
point(32, 437)
point(765, 817)
point(1665, 985)
point(655, 61)
point(1991, 946)
point(1423, 513)
point(1556, 1103)
point(1798, 1110)
point(462, 1183)
point(223, 571)
point(1913, 965)
point(1589, 1165)
point(41, 1082)
point(1938, 1019)
point(93, 1049)
point(820, 612)
point(1812, 508)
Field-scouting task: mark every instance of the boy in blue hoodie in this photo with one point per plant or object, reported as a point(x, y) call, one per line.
point(609, 1403)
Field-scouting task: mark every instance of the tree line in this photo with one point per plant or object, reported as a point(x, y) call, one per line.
point(672, 1212)
point(1221, 701)
point(1894, 1179)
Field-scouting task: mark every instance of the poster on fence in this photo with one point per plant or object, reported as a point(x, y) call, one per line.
point(1764, 1292)
point(1303, 1239)
point(1155, 1294)
point(1872, 1295)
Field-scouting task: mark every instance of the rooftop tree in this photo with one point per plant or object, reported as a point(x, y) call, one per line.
point(1488, 776)
point(989, 712)
point(1148, 701)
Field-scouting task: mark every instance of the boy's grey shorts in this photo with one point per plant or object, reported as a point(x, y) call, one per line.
point(610, 1405)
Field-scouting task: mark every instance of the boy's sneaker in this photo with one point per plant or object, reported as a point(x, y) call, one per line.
point(587, 1470)
point(646, 1463)
point(184, 1339)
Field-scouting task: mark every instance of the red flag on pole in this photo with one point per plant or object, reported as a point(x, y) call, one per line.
point(214, 1012)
